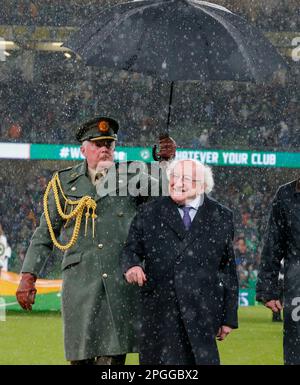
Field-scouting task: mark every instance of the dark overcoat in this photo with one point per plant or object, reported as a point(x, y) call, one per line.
point(282, 242)
point(192, 285)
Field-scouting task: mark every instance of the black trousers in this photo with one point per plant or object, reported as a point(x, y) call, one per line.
point(170, 345)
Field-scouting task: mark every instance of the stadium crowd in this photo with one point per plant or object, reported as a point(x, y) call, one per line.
point(45, 96)
point(240, 116)
point(249, 196)
point(271, 15)
point(20, 208)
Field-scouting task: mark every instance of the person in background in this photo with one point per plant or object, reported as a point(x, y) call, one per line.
point(282, 244)
point(5, 251)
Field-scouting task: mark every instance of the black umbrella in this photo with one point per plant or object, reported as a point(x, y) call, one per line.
point(177, 40)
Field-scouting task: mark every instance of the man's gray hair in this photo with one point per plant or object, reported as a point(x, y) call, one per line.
point(208, 174)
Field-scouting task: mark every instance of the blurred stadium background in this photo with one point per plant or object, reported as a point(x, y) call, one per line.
point(46, 92)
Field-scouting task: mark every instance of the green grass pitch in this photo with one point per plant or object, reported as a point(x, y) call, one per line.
point(36, 338)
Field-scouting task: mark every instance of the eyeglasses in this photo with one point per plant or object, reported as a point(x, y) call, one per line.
point(185, 178)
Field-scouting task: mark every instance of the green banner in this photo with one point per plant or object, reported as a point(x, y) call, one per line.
point(211, 157)
point(69, 152)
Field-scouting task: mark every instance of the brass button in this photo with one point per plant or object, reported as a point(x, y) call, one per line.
point(104, 275)
point(73, 188)
point(120, 214)
point(100, 245)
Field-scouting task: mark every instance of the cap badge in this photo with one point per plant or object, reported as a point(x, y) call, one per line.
point(103, 126)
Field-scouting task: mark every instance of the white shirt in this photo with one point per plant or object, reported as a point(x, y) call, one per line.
point(195, 204)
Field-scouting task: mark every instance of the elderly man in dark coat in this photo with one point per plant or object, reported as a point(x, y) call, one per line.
point(87, 214)
point(180, 252)
point(282, 243)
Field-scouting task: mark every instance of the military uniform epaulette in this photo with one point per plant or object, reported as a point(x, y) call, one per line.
point(65, 169)
point(69, 172)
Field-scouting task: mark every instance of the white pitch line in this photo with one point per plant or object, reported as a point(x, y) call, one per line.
point(8, 304)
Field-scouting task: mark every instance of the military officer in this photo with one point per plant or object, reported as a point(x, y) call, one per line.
point(97, 304)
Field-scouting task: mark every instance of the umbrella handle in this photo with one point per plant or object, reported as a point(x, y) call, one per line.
point(155, 155)
point(164, 135)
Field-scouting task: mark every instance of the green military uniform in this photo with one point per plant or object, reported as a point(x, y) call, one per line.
point(98, 306)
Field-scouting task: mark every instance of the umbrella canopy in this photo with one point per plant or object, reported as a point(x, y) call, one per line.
point(177, 40)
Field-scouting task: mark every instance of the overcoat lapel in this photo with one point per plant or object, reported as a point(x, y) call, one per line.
point(170, 215)
point(200, 226)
